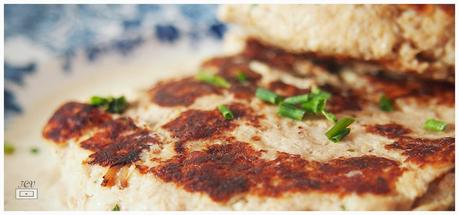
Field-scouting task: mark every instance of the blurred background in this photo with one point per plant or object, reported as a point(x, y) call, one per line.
point(59, 53)
point(38, 34)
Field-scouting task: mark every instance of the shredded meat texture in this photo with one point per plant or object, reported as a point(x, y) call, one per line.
point(223, 171)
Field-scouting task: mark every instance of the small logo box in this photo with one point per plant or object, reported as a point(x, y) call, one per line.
point(22, 193)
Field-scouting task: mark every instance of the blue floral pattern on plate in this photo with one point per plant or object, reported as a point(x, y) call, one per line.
point(96, 30)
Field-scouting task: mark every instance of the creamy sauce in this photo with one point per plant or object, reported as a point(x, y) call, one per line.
point(112, 75)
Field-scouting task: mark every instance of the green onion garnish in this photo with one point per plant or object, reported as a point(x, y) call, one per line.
point(316, 92)
point(435, 125)
point(339, 130)
point(118, 105)
point(297, 99)
point(313, 102)
point(314, 105)
point(34, 150)
point(241, 77)
point(290, 111)
point(110, 104)
point(338, 136)
point(268, 96)
point(8, 148)
point(385, 104)
point(317, 101)
point(225, 111)
point(98, 101)
point(212, 79)
point(329, 116)
point(116, 208)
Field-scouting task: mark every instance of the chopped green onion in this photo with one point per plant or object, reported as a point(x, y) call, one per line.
point(339, 130)
point(213, 79)
point(241, 77)
point(316, 92)
point(116, 208)
point(385, 104)
point(314, 105)
point(118, 105)
point(268, 96)
point(8, 148)
point(338, 136)
point(290, 111)
point(225, 111)
point(34, 150)
point(317, 101)
point(98, 101)
point(110, 104)
point(297, 99)
point(435, 125)
point(329, 116)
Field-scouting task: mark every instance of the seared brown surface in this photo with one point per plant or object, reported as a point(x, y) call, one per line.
point(124, 150)
point(343, 99)
point(243, 91)
point(234, 167)
point(182, 92)
point(116, 143)
point(393, 87)
point(391, 130)
point(426, 151)
point(274, 57)
point(119, 142)
point(418, 150)
point(185, 91)
point(230, 67)
point(198, 124)
point(285, 89)
point(71, 120)
point(109, 131)
point(422, 90)
point(427, 9)
point(223, 171)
